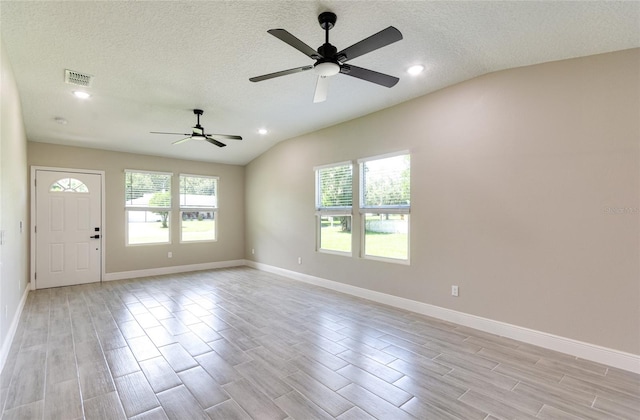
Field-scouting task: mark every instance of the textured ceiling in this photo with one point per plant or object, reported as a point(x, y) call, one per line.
point(154, 62)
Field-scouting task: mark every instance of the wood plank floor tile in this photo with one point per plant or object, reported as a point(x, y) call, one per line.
point(298, 407)
point(228, 410)
point(159, 374)
point(106, 406)
point(496, 408)
point(325, 398)
point(218, 368)
point(264, 378)
point(238, 343)
point(193, 344)
point(281, 366)
point(229, 351)
point(355, 413)
point(423, 410)
point(34, 410)
point(179, 404)
point(321, 373)
point(121, 361)
point(617, 409)
point(254, 402)
point(143, 348)
point(63, 401)
point(361, 361)
point(135, 394)
point(178, 357)
point(155, 414)
point(95, 380)
point(203, 387)
point(373, 404)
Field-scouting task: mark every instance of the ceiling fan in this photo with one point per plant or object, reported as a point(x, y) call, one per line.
point(330, 61)
point(199, 134)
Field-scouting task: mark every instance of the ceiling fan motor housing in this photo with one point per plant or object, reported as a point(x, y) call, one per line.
point(327, 20)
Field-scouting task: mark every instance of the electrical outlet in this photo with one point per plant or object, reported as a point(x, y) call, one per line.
point(253, 251)
point(169, 254)
point(454, 291)
point(299, 260)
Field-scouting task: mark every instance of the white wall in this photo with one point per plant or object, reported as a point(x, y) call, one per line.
point(512, 175)
point(13, 205)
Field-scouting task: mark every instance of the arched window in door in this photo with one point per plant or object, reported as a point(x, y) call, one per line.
point(69, 185)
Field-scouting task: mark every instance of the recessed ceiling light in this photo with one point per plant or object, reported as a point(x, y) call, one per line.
point(417, 69)
point(80, 94)
point(262, 131)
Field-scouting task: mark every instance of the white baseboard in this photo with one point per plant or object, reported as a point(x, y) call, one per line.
point(6, 345)
point(122, 275)
point(580, 349)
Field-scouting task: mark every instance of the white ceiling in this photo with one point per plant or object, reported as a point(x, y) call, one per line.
point(154, 62)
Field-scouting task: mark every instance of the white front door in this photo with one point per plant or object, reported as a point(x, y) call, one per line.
point(68, 228)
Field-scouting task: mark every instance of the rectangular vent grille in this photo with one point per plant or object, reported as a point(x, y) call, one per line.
point(76, 78)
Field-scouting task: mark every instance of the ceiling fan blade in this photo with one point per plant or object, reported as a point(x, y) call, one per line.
point(375, 41)
point(176, 134)
point(280, 73)
point(322, 87)
point(369, 75)
point(182, 140)
point(285, 36)
point(225, 136)
point(214, 141)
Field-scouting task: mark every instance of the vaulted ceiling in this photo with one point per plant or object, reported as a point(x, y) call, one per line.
point(154, 62)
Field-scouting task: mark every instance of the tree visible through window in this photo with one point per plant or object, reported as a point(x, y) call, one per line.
point(148, 207)
point(334, 202)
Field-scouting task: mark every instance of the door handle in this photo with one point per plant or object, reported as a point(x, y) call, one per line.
point(94, 237)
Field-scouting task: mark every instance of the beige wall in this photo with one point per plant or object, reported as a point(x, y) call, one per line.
point(512, 175)
point(120, 258)
point(13, 201)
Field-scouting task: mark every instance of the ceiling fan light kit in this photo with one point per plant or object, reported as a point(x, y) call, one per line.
point(330, 61)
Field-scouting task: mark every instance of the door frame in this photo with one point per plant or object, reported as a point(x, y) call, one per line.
point(32, 235)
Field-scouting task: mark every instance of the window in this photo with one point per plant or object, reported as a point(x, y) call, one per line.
point(334, 201)
point(198, 208)
point(385, 204)
point(69, 185)
point(148, 207)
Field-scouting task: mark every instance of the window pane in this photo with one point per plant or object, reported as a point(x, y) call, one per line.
point(386, 182)
point(198, 191)
point(144, 189)
point(145, 227)
point(198, 226)
point(335, 187)
point(335, 233)
point(69, 185)
point(386, 235)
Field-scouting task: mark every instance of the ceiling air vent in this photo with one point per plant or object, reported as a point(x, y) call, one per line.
point(76, 78)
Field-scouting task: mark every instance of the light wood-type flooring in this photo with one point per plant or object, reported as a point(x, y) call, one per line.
point(244, 344)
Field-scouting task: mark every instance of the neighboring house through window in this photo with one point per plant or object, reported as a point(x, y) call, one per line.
point(198, 208)
point(147, 207)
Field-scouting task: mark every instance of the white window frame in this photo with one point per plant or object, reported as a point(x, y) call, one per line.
point(213, 210)
point(387, 209)
point(335, 211)
point(128, 208)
